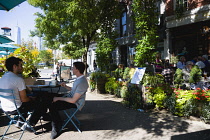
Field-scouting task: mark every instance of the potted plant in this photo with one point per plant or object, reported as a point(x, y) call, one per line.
point(98, 80)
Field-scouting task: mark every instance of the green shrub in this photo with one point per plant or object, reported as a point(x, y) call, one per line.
point(111, 85)
point(159, 99)
point(133, 97)
point(158, 95)
point(153, 80)
point(205, 113)
point(97, 78)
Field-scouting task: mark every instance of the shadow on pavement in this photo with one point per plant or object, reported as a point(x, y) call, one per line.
point(199, 135)
point(110, 115)
point(113, 116)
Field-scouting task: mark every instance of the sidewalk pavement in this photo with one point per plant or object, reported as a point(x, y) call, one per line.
point(105, 118)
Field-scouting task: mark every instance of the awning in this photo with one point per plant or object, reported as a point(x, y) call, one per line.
point(8, 47)
point(9, 4)
point(4, 39)
point(3, 53)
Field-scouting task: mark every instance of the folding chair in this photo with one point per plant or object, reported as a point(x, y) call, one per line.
point(70, 113)
point(16, 114)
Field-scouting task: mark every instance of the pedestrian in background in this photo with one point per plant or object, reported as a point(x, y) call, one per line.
point(181, 64)
point(94, 65)
point(57, 71)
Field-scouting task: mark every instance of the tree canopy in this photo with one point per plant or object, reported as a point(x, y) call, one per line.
point(74, 23)
point(46, 55)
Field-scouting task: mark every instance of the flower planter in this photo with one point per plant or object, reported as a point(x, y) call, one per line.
point(100, 85)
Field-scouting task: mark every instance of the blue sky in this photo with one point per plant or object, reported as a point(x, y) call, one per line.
point(23, 16)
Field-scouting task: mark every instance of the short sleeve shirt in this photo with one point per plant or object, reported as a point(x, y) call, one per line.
point(80, 86)
point(180, 65)
point(11, 81)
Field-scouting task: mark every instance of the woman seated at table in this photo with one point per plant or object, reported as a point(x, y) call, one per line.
point(186, 74)
point(186, 71)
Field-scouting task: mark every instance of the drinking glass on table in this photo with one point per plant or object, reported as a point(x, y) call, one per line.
point(205, 75)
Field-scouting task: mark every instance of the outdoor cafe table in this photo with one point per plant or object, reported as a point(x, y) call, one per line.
point(48, 88)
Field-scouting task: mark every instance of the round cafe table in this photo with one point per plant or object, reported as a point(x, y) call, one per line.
point(49, 88)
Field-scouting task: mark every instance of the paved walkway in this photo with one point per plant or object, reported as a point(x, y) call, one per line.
point(105, 118)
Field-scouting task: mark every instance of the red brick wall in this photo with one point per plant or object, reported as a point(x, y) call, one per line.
point(197, 3)
point(191, 3)
point(169, 8)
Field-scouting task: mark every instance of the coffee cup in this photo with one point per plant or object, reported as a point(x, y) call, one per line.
point(53, 83)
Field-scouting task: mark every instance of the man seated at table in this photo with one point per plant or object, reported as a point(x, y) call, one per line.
point(11, 80)
point(74, 98)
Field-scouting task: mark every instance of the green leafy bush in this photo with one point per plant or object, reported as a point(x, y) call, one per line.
point(195, 74)
point(159, 98)
point(98, 78)
point(178, 77)
point(153, 80)
point(133, 97)
point(158, 95)
point(111, 85)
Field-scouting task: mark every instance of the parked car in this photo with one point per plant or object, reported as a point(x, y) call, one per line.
point(41, 64)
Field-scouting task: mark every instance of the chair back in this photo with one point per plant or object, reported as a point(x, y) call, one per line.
point(8, 94)
point(81, 106)
point(4, 93)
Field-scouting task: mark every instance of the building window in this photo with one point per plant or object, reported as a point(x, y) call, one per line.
point(183, 4)
point(123, 24)
point(7, 32)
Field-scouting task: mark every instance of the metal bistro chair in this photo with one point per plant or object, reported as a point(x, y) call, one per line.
point(13, 116)
point(70, 113)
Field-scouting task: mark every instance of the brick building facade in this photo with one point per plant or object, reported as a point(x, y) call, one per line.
point(187, 28)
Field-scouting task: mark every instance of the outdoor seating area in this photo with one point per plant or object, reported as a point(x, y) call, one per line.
point(181, 93)
point(105, 70)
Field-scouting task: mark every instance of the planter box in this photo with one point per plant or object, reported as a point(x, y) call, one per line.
point(100, 85)
point(30, 80)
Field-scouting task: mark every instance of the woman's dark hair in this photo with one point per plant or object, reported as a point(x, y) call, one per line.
point(12, 61)
point(80, 66)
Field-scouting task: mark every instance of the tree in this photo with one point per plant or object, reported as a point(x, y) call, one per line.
point(46, 56)
point(28, 44)
point(28, 54)
point(146, 21)
point(74, 23)
point(103, 52)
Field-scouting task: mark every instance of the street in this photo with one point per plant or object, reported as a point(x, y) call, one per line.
point(45, 73)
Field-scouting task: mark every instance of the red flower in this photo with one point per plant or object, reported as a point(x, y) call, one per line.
point(198, 98)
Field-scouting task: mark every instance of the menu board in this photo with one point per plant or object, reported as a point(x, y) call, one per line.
point(138, 75)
